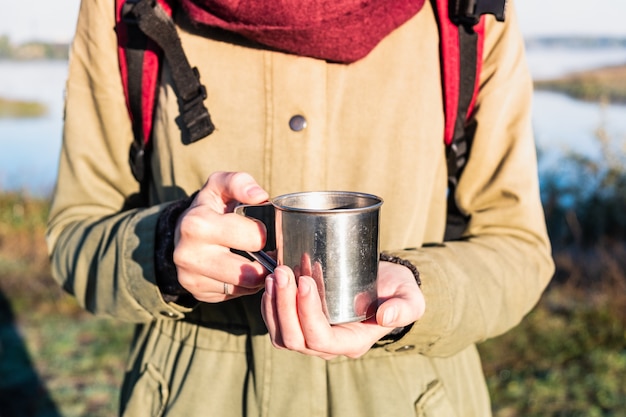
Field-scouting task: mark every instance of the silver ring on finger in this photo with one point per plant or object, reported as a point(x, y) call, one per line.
point(227, 289)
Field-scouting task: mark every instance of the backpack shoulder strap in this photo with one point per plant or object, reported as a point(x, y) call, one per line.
point(462, 29)
point(146, 32)
point(146, 35)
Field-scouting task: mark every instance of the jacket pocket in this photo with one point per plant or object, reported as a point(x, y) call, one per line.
point(434, 402)
point(149, 395)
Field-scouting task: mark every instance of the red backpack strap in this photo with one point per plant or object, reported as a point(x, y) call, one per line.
point(462, 30)
point(461, 55)
point(146, 34)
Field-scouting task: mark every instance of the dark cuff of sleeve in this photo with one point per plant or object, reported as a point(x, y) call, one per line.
point(165, 269)
point(397, 333)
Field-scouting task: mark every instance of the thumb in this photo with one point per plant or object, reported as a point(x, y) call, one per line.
point(387, 315)
point(398, 312)
point(235, 187)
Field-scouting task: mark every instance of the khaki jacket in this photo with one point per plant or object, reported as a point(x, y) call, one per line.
point(374, 126)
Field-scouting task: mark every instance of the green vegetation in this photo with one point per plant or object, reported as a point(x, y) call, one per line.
point(585, 198)
point(56, 359)
point(567, 358)
point(20, 108)
point(605, 84)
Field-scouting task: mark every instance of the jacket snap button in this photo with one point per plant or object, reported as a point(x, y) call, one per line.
point(405, 348)
point(297, 123)
point(168, 314)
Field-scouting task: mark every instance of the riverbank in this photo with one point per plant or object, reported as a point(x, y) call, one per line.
point(607, 84)
point(32, 50)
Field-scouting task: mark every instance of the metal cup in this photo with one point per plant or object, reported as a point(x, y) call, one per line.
point(331, 236)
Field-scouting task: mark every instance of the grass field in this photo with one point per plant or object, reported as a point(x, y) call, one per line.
point(568, 358)
point(55, 359)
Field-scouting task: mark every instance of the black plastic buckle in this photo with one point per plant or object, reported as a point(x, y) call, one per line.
point(130, 10)
point(128, 16)
point(468, 12)
point(137, 160)
point(195, 116)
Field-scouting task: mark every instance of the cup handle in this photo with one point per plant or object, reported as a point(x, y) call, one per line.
point(261, 257)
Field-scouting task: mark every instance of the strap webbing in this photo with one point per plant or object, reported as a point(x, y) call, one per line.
point(159, 27)
point(146, 32)
point(461, 57)
point(139, 59)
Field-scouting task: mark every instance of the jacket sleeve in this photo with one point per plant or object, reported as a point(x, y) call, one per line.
point(483, 285)
point(101, 253)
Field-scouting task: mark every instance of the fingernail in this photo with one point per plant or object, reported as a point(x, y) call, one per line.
point(389, 317)
point(269, 286)
point(256, 191)
point(304, 286)
point(281, 278)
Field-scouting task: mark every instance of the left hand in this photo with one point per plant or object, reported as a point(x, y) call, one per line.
point(295, 320)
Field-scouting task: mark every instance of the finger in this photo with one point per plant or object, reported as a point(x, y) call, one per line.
point(401, 310)
point(349, 339)
point(286, 310)
point(213, 291)
point(199, 284)
point(233, 187)
point(282, 336)
point(305, 265)
point(402, 300)
point(268, 311)
point(315, 327)
point(217, 262)
point(318, 277)
point(203, 224)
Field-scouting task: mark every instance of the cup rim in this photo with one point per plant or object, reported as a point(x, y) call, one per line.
point(279, 202)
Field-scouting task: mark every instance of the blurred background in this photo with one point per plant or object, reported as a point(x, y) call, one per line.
point(568, 358)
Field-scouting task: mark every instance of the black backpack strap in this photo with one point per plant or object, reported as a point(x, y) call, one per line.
point(457, 152)
point(145, 33)
point(158, 26)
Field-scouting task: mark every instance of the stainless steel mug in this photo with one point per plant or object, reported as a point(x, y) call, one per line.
point(333, 237)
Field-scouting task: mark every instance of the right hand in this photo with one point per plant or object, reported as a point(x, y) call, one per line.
point(207, 231)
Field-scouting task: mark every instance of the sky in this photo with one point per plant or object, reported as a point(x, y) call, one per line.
point(54, 20)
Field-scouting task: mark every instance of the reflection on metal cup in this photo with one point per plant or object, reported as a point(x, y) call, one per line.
point(333, 237)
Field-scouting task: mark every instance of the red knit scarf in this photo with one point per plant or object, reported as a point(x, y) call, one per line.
point(334, 30)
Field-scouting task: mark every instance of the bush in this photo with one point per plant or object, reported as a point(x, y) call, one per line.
point(567, 358)
point(584, 198)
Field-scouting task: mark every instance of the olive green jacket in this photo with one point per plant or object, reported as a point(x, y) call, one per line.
point(374, 126)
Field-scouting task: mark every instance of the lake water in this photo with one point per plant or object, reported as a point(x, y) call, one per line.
point(29, 148)
point(562, 124)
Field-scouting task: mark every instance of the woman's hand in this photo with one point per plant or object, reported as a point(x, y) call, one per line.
point(295, 319)
point(207, 231)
